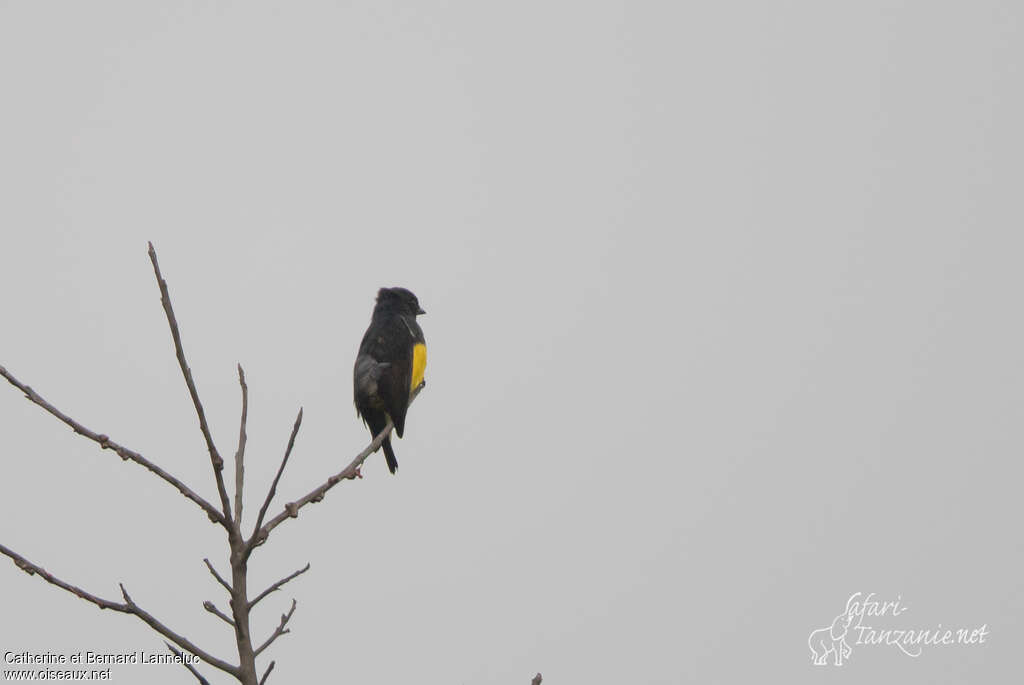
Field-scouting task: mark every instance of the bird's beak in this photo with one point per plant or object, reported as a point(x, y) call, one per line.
point(420, 311)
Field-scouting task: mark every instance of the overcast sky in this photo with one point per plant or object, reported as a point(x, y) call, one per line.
point(723, 324)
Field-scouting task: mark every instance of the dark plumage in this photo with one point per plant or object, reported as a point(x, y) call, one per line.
point(390, 364)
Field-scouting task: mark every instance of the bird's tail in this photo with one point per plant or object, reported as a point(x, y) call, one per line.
point(389, 454)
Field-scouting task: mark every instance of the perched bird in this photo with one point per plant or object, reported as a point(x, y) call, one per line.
point(390, 364)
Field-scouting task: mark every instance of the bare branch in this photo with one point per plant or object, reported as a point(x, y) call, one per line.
point(266, 673)
point(212, 608)
point(106, 443)
point(240, 453)
point(192, 669)
point(183, 642)
point(215, 458)
point(279, 631)
point(277, 585)
point(537, 679)
point(32, 569)
point(217, 576)
point(129, 607)
point(350, 472)
point(280, 470)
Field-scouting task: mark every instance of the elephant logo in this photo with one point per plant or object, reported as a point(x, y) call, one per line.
point(832, 639)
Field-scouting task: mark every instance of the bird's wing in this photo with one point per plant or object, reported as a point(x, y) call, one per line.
point(367, 374)
point(393, 388)
point(387, 368)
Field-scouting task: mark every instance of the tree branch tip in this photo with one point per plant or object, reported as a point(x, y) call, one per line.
point(267, 672)
point(212, 608)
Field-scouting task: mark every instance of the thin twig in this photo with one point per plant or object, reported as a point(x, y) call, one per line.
point(32, 569)
point(216, 575)
point(277, 585)
point(128, 607)
point(279, 631)
point(266, 673)
point(215, 458)
point(350, 472)
point(537, 679)
point(212, 608)
point(192, 669)
point(106, 443)
point(240, 453)
point(184, 643)
point(280, 470)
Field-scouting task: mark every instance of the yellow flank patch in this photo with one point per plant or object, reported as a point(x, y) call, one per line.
point(419, 365)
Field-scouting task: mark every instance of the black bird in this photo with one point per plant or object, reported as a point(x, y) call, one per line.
point(390, 364)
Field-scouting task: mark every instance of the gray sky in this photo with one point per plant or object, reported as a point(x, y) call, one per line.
point(723, 328)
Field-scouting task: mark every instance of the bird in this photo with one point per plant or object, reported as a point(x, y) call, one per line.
point(390, 364)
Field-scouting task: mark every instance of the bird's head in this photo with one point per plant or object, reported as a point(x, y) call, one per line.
point(399, 300)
